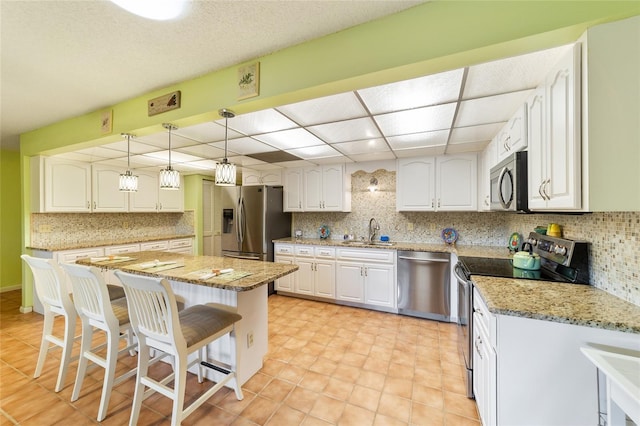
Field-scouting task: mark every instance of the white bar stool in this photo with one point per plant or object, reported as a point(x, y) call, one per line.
point(91, 299)
point(158, 324)
point(50, 288)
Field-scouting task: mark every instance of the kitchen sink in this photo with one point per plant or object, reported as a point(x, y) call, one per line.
point(382, 243)
point(354, 243)
point(366, 243)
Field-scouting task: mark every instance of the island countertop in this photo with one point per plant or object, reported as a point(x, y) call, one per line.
point(246, 274)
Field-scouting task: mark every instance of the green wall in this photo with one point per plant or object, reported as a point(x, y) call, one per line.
point(429, 38)
point(10, 231)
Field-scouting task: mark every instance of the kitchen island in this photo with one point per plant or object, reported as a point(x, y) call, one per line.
point(191, 277)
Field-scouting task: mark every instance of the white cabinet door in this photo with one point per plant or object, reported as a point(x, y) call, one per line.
point(106, 193)
point(285, 283)
point(325, 278)
point(513, 137)
point(554, 139)
point(332, 188)
point(456, 182)
point(181, 245)
point(264, 177)
point(350, 282)
point(379, 285)
point(415, 188)
point(313, 189)
point(171, 200)
point(304, 276)
point(488, 160)
point(251, 177)
point(145, 199)
point(67, 186)
point(293, 190)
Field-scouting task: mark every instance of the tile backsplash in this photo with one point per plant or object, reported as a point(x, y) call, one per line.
point(614, 236)
point(70, 228)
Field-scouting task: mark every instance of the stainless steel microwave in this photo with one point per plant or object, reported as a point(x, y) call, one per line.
point(509, 184)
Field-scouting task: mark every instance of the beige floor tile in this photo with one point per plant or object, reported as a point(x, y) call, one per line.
point(259, 410)
point(314, 381)
point(394, 406)
point(356, 416)
point(277, 390)
point(426, 415)
point(327, 408)
point(286, 415)
point(371, 379)
point(301, 399)
point(365, 397)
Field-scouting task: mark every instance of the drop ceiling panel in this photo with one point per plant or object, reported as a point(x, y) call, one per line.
point(346, 131)
point(312, 152)
point(297, 163)
point(176, 157)
point(207, 132)
point(416, 120)
point(290, 139)
point(419, 140)
point(161, 140)
point(197, 166)
point(338, 107)
point(429, 90)
point(332, 160)
point(254, 123)
point(418, 152)
point(145, 161)
point(362, 147)
point(483, 132)
point(134, 147)
point(263, 166)
point(203, 151)
point(244, 146)
point(492, 109)
point(466, 147)
point(242, 160)
point(100, 152)
point(373, 156)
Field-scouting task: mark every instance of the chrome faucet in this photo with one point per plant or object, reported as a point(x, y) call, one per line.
point(373, 227)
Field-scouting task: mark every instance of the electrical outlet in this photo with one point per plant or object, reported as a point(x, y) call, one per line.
point(125, 225)
point(249, 339)
point(433, 226)
point(44, 228)
point(410, 226)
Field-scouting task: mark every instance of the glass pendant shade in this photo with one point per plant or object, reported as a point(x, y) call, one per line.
point(225, 173)
point(128, 181)
point(169, 178)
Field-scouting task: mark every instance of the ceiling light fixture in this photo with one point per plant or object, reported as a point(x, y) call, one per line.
point(373, 185)
point(128, 181)
point(159, 10)
point(169, 178)
point(226, 171)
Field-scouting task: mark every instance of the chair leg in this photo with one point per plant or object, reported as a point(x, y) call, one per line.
point(202, 356)
point(235, 357)
point(85, 346)
point(69, 330)
point(109, 373)
point(132, 352)
point(47, 329)
point(143, 368)
point(179, 387)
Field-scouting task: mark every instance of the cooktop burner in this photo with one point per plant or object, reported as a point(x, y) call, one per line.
point(561, 260)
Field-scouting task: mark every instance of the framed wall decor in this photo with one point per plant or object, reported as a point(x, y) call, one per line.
point(106, 121)
point(249, 80)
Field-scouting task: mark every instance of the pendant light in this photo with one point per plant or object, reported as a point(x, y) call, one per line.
point(226, 171)
point(128, 181)
point(169, 178)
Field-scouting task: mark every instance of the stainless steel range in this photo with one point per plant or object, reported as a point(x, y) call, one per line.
point(561, 260)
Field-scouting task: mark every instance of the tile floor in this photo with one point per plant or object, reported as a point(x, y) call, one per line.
point(327, 365)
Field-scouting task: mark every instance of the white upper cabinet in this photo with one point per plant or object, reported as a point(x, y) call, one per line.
point(445, 183)
point(106, 193)
point(293, 190)
point(322, 188)
point(554, 138)
point(488, 159)
point(513, 137)
point(60, 185)
point(261, 177)
point(150, 198)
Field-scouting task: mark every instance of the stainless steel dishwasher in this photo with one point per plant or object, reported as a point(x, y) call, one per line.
point(424, 285)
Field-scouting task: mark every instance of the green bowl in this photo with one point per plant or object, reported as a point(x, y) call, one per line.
point(541, 230)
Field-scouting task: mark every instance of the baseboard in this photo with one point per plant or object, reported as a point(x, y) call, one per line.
point(26, 309)
point(10, 288)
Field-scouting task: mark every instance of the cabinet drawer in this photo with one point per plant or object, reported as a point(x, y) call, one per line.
point(304, 251)
point(326, 252)
point(154, 245)
point(383, 256)
point(180, 243)
point(124, 248)
point(72, 255)
point(284, 249)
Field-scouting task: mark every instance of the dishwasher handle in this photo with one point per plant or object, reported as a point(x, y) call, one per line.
point(418, 259)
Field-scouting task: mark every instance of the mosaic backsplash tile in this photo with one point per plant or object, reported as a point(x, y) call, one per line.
point(614, 252)
point(70, 228)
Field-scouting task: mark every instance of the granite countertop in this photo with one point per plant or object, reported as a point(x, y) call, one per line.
point(576, 304)
point(104, 243)
point(460, 250)
point(246, 275)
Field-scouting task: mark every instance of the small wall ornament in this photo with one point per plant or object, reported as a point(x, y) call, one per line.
point(249, 80)
point(106, 121)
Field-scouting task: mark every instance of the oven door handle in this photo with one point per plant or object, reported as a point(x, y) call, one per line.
point(457, 271)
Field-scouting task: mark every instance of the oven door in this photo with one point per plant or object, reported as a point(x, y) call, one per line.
point(465, 324)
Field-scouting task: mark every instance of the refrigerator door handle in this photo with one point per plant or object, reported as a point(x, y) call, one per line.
point(243, 221)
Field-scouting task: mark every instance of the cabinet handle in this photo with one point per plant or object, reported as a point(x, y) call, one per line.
point(95, 205)
point(546, 184)
point(438, 202)
point(478, 339)
point(88, 205)
point(540, 191)
point(361, 271)
point(366, 271)
point(432, 203)
point(160, 206)
point(299, 204)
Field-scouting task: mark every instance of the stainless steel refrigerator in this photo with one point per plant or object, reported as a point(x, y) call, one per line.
point(252, 218)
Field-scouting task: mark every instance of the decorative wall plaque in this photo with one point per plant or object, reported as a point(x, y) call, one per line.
point(106, 121)
point(249, 81)
point(164, 103)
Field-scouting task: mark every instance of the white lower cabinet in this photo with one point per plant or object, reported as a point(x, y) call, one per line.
point(532, 372)
point(366, 276)
point(316, 275)
point(284, 253)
